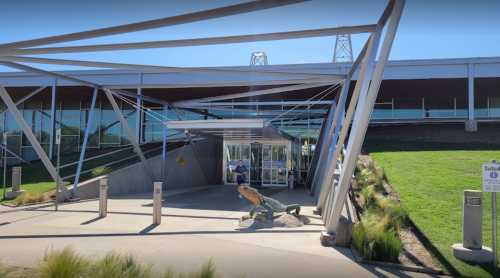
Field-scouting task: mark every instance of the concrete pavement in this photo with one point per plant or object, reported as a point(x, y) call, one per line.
point(195, 227)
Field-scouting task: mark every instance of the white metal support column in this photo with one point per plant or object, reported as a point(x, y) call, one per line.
point(52, 118)
point(365, 70)
point(332, 142)
point(470, 90)
point(471, 123)
point(133, 140)
point(164, 148)
point(324, 145)
point(90, 120)
point(138, 117)
point(29, 134)
point(362, 118)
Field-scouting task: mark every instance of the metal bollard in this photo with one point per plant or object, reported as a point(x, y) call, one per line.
point(103, 197)
point(157, 196)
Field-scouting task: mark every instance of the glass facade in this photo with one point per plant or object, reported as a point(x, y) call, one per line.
point(398, 100)
point(267, 162)
point(71, 117)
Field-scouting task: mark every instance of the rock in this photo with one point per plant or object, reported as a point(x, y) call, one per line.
point(288, 221)
point(284, 221)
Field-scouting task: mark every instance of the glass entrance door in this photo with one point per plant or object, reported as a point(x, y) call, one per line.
point(274, 167)
point(234, 153)
point(256, 163)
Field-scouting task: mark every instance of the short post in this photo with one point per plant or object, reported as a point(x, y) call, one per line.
point(16, 178)
point(472, 249)
point(16, 183)
point(157, 196)
point(103, 197)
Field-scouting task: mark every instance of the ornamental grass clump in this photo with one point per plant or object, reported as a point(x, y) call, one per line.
point(27, 198)
point(117, 266)
point(69, 264)
point(64, 264)
point(375, 238)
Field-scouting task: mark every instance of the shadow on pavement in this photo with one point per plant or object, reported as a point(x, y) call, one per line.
point(145, 214)
point(156, 234)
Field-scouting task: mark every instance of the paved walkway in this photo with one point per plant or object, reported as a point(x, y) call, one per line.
point(195, 227)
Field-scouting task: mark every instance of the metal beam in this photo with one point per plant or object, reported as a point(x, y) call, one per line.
point(130, 134)
point(3, 147)
point(164, 147)
point(251, 94)
point(332, 136)
point(44, 72)
point(316, 164)
point(199, 41)
point(262, 103)
point(362, 85)
point(156, 23)
point(76, 80)
point(53, 111)
point(326, 181)
point(138, 115)
point(14, 111)
point(28, 96)
point(363, 117)
point(307, 77)
point(85, 141)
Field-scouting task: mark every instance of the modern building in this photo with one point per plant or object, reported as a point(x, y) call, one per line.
point(414, 91)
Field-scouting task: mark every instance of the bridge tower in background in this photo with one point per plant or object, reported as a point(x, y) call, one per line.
point(258, 58)
point(343, 49)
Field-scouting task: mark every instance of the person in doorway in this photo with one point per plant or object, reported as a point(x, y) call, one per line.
point(241, 172)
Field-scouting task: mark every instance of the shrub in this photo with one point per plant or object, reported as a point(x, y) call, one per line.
point(367, 177)
point(375, 239)
point(376, 236)
point(68, 264)
point(63, 264)
point(207, 271)
point(27, 198)
point(397, 214)
point(118, 266)
point(101, 170)
point(368, 196)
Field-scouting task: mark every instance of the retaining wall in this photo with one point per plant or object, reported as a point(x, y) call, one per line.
point(201, 164)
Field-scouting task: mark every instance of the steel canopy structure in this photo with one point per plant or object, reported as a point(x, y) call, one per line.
point(344, 129)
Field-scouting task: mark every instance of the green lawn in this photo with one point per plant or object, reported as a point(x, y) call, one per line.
point(430, 179)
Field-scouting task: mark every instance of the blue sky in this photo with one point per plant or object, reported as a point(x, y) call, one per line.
point(428, 29)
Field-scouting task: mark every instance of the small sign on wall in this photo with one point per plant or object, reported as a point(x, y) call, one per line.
point(491, 177)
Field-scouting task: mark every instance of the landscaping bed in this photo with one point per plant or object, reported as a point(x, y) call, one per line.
point(385, 235)
point(67, 263)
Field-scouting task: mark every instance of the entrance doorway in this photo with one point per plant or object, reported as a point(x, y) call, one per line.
point(267, 161)
point(274, 162)
point(233, 154)
point(256, 164)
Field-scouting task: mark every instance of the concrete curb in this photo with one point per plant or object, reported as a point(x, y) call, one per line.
point(412, 268)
